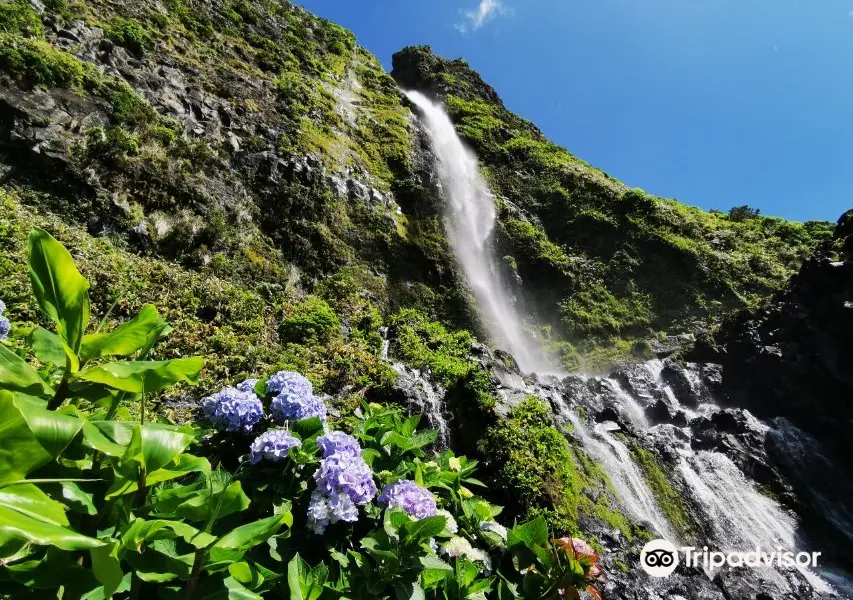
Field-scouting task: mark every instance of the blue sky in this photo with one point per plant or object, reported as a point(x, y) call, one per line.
point(714, 102)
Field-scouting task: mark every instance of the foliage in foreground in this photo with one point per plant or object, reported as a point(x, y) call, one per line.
point(105, 506)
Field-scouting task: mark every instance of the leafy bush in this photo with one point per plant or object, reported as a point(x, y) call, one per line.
point(130, 34)
point(37, 62)
point(120, 508)
point(310, 320)
point(742, 213)
point(18, 17)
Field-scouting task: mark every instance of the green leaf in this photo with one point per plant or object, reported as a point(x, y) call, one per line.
point(141, 531)
point(425, 528)
point(107, 567)
point(77, 499)
point(31, 501)
point(144, 376)
point(183, 465)
point(304, 582)
point(17, 376)
point(128, 338)
point(61, 291)
point(51, 349)
point(410, 590)
point(198, 500)
point(18, 525)
point(151, 447)
point(31, 436)
point(248, 536)
point(531, 534)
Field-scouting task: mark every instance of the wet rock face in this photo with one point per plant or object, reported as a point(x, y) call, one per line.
point(795, 358)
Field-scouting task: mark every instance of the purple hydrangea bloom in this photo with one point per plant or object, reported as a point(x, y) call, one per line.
point(233, 410)
point(347, 474)
point(290, 383)
point(325, 509)
point(272, 445)
point(338, 442)
point(418, 502)
point(290, 407)
point(5, 325)
point(247, 385)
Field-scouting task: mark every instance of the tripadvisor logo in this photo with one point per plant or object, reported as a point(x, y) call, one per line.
point(659, 558)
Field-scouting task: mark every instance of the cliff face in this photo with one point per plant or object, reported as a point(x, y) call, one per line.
point(600, 263)
point(255, 142)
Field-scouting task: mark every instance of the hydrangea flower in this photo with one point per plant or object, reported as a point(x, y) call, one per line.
point(233, 410)
point(450, 523)
point(459, 546)
point(493, 527)
point(272, 445)
point(247, 385)
point(294, 408)
point(290, 383)
point(417, 501)
point(325, 509)
point(347, 474)
point(338, 442)
point(5, 325)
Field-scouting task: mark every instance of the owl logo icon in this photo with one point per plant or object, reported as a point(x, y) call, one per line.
point(659, 558)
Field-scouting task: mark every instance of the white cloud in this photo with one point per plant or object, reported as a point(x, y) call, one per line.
point(474, 19)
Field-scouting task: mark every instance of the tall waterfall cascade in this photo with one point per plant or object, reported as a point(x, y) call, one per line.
point(471, 218)
point(729, 511)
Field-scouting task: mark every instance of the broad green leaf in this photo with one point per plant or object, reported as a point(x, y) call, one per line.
point(246, 574)
point(30, 436)
point(236, 591)
point(183, 465)
point(425, 528)
point(304, 582)
point(34, 503)
point(107, 567)
point(144, 376)
point(530, 534)
point(141, 531)
point(21, 526)
point(17, 376)
point(61, 291)
point(160, 562)
point(126, 339)
point(77, 499)
point(151, 447)
point(98, 593)
point(44, 574)
point(466, 572)
point(198, 500)
point(248, 536)
point(410, 590)
point(51, 349)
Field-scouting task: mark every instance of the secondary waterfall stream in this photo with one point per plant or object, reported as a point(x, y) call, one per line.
point(730, 511)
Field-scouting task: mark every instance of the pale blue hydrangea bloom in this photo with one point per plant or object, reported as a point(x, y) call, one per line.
point(294, 398)
point(418, 502)
point(291, 407)
point(233, 410)
point(344, 473)
point(5, 325)
point(289, 382)
point(272, 445)
point(247, 385)
point(338, 442)
point(325, 509)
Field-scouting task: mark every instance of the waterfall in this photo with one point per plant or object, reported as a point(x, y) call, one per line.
point(471, 218)
point(727, 506)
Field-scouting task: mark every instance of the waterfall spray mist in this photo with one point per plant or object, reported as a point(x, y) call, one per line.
point(471, 218)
